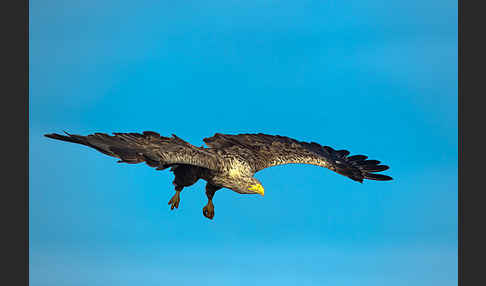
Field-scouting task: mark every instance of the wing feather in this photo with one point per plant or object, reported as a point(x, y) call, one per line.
point(149, 147)
point(263, 151)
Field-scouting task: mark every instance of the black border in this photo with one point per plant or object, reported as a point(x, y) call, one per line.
point(471, 200)
point(15, 148)
point(459, 136)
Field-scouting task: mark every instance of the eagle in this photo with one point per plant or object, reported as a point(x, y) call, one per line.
point(228, 161)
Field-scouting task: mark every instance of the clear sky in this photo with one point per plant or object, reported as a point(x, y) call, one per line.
point(374, 77)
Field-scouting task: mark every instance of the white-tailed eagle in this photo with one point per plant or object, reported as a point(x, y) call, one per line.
point(230, 161)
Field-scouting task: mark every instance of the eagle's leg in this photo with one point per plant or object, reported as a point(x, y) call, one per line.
point(208, 210)
point(185, 176)
point(175, 200)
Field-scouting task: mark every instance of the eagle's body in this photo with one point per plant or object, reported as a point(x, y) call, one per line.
point(229, 162)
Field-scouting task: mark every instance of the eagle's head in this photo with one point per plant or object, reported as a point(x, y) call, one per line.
point(244, 185)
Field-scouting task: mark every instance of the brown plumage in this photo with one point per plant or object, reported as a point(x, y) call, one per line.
point(229, 162)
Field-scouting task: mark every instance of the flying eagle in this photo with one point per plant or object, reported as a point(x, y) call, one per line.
point(229, 162)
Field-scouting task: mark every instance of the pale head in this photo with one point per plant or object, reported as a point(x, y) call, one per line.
point(244, 185)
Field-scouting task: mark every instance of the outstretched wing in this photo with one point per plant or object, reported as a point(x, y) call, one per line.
point(149, 147)
point(263, 151)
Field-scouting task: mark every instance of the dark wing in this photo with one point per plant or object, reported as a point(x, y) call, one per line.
point(149, 147)
point(263, 151)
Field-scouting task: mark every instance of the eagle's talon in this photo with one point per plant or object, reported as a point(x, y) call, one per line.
point(208, 210)
point(174, 201)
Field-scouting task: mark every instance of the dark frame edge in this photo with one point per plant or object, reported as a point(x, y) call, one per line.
point(27, 86)
point(15, 146)
point(459, 136)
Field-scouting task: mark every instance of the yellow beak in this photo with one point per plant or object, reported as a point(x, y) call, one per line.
point(257, 189)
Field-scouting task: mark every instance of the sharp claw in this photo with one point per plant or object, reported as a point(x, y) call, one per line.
point(174, 202)
point(208, 213)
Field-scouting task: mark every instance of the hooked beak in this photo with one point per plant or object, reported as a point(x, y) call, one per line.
point(257, 189)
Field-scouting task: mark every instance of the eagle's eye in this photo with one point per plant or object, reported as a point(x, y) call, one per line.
point(257, 188)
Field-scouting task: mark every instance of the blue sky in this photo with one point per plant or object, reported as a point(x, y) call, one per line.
point(374, 77)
